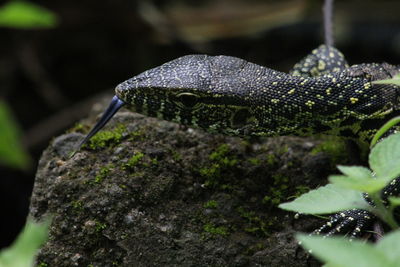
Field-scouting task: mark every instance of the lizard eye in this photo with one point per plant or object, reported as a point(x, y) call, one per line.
point(188, 100)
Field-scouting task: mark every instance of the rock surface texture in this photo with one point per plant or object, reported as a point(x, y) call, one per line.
point(146, 192)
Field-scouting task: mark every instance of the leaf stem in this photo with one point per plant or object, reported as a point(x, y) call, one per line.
point(382, 212)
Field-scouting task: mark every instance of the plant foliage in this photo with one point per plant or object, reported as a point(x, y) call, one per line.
point(11, 151)
point(26, 15)
point(23, 251)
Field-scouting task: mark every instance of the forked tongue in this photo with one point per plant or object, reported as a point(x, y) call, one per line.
point(114, 106)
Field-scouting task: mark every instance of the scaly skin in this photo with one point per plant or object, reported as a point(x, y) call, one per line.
point(231, 96)
point(228, 95)
point(322, 60)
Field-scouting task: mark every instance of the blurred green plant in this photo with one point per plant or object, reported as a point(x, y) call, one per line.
point(26, 15)
point(23, 251)
point(11, 151)
point(339, 252)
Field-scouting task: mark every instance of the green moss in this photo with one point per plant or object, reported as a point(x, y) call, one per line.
point(103, 173)
point(176, 155)
point(280, 178)
point(335, 147)
point(106, 138)
point(134, 160)
point(271, 159)
point(229, 187)
point(154, 162)
point(137, 135)
point(283, 149)
point(77, 205)
point(215, 230)
point(253, 223)
point(212, 204)
point(220, 152)
point(211, 173)
point(301, 189)
point(78, 127)
point(255, 161)
point(100, 226)
point(249, 215)
point(220, 162)
point(277, 193)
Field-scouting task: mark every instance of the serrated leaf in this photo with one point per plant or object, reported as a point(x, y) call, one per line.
point(338, 251)
point(384, 158)
point(22, 14)
point(390, 246)
point(11, 151)
point(366, 185)
point(356, 171)
point(23, 251)
point(327, 199)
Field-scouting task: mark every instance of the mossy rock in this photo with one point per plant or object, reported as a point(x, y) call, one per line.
point(159, 194)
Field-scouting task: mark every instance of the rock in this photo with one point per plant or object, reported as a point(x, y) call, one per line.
point(160, 194)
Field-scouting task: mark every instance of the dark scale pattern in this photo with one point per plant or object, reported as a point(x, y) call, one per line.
point(206, 92)
point(322, 60)
point(355, 222)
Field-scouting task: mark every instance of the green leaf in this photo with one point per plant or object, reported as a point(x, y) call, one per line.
point(338, 251)
point(326, 199)
point(394, 201)
point(384, 158)
point(22, 14)
point(11, 151)
point(390, 246)
point(392, 122)
point(22, 252)
point(356, 172)
point(395, 81)
point(357, 178)
point(370, 185)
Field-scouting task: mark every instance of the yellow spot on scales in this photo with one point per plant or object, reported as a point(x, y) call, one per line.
point(353, 100)
point(328, 91)
point(291, 91)
point(321, 65)
point(310, 103)
point(275, 101)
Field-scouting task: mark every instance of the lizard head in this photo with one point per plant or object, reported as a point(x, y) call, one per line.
point(197, 91)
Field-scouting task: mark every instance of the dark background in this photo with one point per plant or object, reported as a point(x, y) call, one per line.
point(51, 78)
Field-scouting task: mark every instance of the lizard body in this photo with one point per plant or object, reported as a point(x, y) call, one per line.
point(229, 95)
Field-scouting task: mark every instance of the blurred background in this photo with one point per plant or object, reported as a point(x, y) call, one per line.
point(57, 58)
